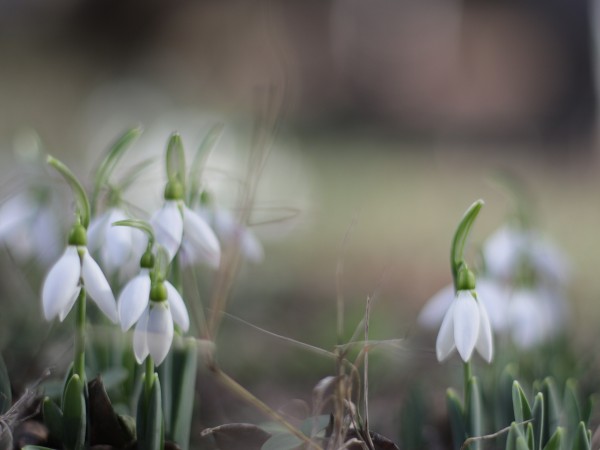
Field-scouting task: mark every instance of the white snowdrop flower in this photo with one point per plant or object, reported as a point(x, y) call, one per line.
point(135, 296)
point(154, 309)
point(167, 223)
point(494, 296)
point(502, 251)
point(200, 242)
point(535, 316)
point(119, 248)
point(465, 327)
point(178, 227)
point(74, 269)
point(229, 230)
point(510, 247)
point(29, 228)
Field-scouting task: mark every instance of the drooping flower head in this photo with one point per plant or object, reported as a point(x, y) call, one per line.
point(175, 225)
point(466, 325)
point(229, 229)
point(76, 269)
point(154, 304)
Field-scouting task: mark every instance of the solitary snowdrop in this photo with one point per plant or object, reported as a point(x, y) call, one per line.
point(465, 327)
point(495, 298)
point(74, 270)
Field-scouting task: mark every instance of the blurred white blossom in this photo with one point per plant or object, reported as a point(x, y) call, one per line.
point(119, 248)
point(29, 228)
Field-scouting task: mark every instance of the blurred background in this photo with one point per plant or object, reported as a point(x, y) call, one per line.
point(395, 116)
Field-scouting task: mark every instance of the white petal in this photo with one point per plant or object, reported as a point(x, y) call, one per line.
point(61, 284)
point(140, 344)
point(445, 339)
point(433, 312)
point(178, 309)
point(65, 311)
point(495, 298)
point(168, 227)
point(229, 229)
point(485, 343)
point(502, 250)
point(466, 323)
point(15, 213)
point(98, 288)
point(202, 238)
point(95, 232)
point(159, 331)
point(134, 299)
point(117, 242)
point(252, 249)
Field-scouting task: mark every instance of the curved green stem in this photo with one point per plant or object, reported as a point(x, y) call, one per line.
point(83, 204)
point(139, 224)
point(460, 238)
point(79, 361)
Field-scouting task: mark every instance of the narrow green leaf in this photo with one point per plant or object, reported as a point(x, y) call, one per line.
point(538, 420)
point(504, 412)
point(83, 205)
point(5, 389)
point(588, 407)
point(571, 411)
point(457, 418)
point(473, 413)
point(74, 414)
point(53, 418)
point(195, 176)
point(175, 159)
point(521, 406)
point(551, 409)
point(108, 164)
point(521, 444)
point(185, 365)
point(581, 441)
point(556, 441)
point(529, 434)
point(461, 235)
point(150, 433)
point(165, 373)
point(514, 433)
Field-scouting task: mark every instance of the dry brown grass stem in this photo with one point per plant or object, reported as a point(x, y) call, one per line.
point(474, 439)
point(239, 390)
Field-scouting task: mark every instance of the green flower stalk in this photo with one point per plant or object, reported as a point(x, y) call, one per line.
point(76, 274)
